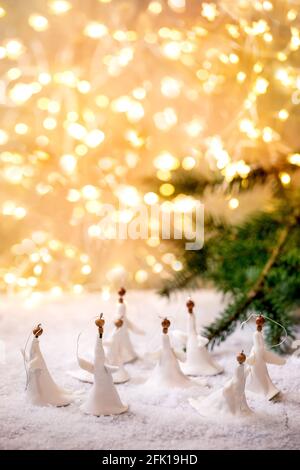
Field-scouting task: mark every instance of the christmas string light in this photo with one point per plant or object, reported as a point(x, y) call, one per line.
point(91, 105)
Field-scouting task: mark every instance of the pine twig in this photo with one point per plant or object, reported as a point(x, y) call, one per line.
point(220, 325)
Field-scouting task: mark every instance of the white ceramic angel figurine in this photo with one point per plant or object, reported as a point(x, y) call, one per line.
point(41, 388)
point(114, 353)
point(167, 372)
point(228, 401)
point(127, 351)
point(103, 398)
point(198, 360)
point(114, 357)
point(259, 379)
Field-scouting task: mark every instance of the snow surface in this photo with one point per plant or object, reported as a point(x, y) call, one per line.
point(156, 420)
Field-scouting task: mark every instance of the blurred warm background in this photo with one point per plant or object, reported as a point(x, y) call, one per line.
point(104, 100)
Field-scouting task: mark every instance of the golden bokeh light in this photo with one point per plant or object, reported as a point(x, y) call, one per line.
point(285, 178)
point(99, 99)
point(95, 30)
point(59, 7)
point(2, 12)
point(38, 22)
point(233, 203)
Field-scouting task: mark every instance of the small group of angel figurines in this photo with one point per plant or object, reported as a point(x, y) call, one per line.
point(173, 369)
point(103, 372)
point(119, 348)
point(230, 400)
point(175, 366)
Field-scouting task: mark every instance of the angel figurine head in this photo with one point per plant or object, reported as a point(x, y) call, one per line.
point(241, 358)
point(118, 323)
point(99, 322)
point(121, 293)
point(165, 325)
point(260, 321)
point(190, 305)
point(38, 330)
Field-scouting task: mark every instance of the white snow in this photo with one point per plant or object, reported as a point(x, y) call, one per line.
point(155, 420)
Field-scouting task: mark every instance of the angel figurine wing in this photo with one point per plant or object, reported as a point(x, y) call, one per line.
point(25, 356)
point(152, 356)
point(132, 327)
point(111, 368)
point(180, 355)
point(86, 365)
point(296, 346)
point(83, 363)
point(179, 336)
point(272, 358)
point(229, 396)
point(202, 340)
point(35, 364)
point(251, 359)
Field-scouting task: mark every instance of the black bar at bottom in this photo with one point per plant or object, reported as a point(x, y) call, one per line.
point(135, 458)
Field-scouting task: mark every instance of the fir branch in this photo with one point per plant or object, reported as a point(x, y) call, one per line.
point(260, 176)
point(225, 325)
point(195, 184)
point(180, 281)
